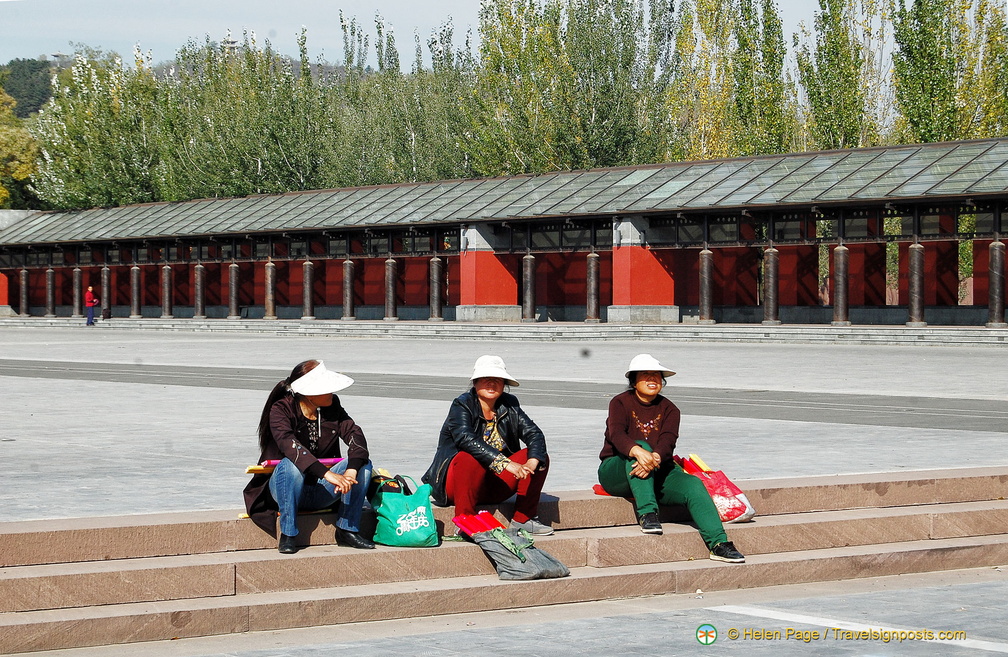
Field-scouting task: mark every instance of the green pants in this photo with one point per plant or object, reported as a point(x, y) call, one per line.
point(667, 485)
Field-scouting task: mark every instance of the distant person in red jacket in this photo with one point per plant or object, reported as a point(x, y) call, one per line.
point(90, 300)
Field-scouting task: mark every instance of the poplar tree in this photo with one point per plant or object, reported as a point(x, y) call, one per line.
point(700, 93)
point(97, 138)
point(761, 96)
point(512, 108)
point(949, 79)
point(831, 78)
point(18, 152)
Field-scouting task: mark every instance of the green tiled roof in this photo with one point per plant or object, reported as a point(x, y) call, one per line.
point(929, 172)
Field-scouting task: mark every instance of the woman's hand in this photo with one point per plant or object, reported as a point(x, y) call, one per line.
point(646, 462)
point(530, 466)
point(522, 470)
point(342, 482)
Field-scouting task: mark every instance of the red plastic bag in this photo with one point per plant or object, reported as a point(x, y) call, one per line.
point(731, 502)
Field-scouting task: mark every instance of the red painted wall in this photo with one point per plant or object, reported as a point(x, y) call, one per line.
point(488, 279)
point(453, 285)
point(653, 277)
point(941, 273)
point(981, 272)
point(412, 282)
point(686, 272)
point(798, 276)
point(641, 277)
point(736, 279)
point(866, 274)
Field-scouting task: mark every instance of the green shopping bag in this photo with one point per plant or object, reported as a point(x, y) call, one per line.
point(405, 520)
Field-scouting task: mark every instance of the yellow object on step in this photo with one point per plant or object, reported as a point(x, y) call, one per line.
point(700, 464)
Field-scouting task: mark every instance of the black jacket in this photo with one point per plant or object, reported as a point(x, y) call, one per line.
point(463, 431)
point(290, 432)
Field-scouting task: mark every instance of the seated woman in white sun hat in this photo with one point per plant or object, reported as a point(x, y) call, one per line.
point(480, 458)
point(302, 422)
point(640, 436)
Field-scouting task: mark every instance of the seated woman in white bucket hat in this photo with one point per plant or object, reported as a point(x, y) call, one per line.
point(640, 436)
point(301, 423)
point(480, 458)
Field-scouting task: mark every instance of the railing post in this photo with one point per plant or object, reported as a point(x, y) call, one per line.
point(78, 301)
point(50, 296)
point(106, 291)
point(307, 286)
point(771, 309)
point(592, 288)
point(135, 303)
point(707, 286)
point(269, 302)
point(996, 289)
point(348, 290)
point(528, 288)
point(916, 287)
point(841, 257)
point(199, 285)
point(167, 301)
point(391, 277)
point(234, 312)
point(25, 310)
point(436, 272)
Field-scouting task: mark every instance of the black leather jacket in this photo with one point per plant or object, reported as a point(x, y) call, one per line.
point(463, 431)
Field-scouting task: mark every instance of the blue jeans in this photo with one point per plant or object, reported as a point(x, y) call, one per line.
point(287, 485)
point(90, 315)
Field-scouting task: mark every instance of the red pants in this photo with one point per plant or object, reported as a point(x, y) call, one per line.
point(469, 483)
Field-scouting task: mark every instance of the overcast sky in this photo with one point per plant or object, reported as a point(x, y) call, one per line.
point(29, 28)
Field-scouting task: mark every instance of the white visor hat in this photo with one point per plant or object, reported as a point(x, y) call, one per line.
point(647, 363)
point(492, 367)
point(320, 381)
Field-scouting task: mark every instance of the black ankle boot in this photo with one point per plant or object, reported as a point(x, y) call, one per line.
point(288, 544)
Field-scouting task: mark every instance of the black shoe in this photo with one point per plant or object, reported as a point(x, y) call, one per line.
point(649, 523)
point(726, 552)
point(353, 539)
point(288, 544)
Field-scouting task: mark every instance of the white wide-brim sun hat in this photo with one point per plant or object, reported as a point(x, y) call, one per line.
point(493, 367)
point(320, 381)
point(647, 363)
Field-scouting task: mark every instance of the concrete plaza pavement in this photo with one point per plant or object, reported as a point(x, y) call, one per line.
point(109, 422)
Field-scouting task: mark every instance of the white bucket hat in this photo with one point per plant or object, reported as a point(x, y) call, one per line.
point(320, 381)
point(647, 363)
point(491, 366)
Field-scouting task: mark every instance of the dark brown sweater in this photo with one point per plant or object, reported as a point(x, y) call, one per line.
point(630, 420)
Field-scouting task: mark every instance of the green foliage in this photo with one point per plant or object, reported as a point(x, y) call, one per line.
point(27, 82)
point(831, 76)
point(701, 93)
point(556, 85)
point(235, 120)
point(512, 109)
point(97, 139)
point(949, 69)
point(925, 70)
point(760, 107)
point(602, 85)
point(18, 152)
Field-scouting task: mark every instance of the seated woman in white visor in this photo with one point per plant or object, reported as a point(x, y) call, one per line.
point(302, 422)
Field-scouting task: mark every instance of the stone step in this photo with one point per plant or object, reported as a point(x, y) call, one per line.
point(194, 532)
point(89, 583)
point(559, 331)
point(153, 621)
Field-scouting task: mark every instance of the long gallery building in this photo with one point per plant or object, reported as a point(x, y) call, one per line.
point(869, 236)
